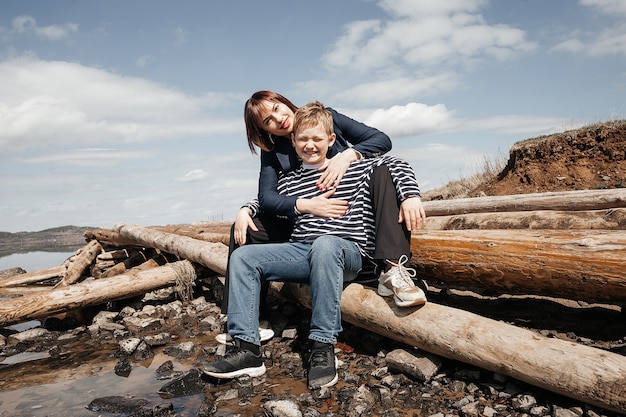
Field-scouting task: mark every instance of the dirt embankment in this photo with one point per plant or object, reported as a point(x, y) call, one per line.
point(589, 158)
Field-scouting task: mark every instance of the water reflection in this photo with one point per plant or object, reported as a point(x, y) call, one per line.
point(68, 398)
point(34, 261)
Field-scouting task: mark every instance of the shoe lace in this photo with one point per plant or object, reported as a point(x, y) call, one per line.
point(404, 276)
point(320, 357)
point(233, 352)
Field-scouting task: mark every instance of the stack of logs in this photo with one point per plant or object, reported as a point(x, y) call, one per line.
point(569, 245)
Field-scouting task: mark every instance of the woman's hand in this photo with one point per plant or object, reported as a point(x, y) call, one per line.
point(323, 205)
point(335, 168)
point(412, 213)
point(243, 221)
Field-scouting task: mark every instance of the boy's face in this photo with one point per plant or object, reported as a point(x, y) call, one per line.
point(312, 143)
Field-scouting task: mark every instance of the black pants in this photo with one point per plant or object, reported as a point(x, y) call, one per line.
point(392, 238)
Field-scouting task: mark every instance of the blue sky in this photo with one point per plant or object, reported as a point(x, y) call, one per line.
point(131, 111)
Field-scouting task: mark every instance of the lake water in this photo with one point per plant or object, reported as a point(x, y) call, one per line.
point(34, 261)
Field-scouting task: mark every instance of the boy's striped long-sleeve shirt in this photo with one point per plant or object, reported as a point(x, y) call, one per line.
point(357, 224)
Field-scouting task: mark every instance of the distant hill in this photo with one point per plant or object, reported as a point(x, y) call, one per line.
point(588, 158)
point(58, 239)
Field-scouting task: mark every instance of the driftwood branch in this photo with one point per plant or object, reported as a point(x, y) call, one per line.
point(608, 219)
point(587, 374)
point(566, 200)
point(93, 292)
point(33, 277)
point(80, 263)
point(211, 255)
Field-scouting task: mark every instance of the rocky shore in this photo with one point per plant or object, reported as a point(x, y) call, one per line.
point(377, 376)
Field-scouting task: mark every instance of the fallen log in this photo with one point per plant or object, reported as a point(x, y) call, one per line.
point(565, 200)
point(108, 237)
point(80, 263)
point(33, 277)
point(588, 374)
point(579, 265)
point(136, 259)
point(212, 255)
point(203, 231)
point(609, 219)
point(95, 292)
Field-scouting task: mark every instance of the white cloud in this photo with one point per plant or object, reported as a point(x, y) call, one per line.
point(180, 36)
point(607, 6)
point(609, 41)
point(411, 119)
point(194, 175)
point(398, 89)
point(425, 33)
point(88, 157)
point(27, 24)
point(52, 103)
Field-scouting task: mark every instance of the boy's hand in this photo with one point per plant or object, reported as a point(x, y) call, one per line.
point(323, 205)
point(412, 213)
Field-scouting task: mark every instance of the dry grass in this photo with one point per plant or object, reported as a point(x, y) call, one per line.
point(461, 188)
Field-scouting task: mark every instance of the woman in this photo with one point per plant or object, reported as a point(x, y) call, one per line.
point(268, 118)
point(269, 122)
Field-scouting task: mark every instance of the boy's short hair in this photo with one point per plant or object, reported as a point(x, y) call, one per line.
point(313, 114)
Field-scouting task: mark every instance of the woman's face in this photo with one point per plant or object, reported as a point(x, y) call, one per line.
point(276, 118)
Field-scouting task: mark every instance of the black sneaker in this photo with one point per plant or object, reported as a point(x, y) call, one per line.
point(322, 366)
point(236, 362)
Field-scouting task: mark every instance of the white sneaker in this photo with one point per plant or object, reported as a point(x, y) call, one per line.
point(398, 281)
point(265, 332)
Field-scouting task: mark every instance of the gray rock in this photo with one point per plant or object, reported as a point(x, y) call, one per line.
point(183, 350)
point(415, 363)
point(138, 325)
point(281, 408)
point(116, 404)
point(160, 339)
point(523, 402)
point(189, 384)
point(30, 336)
point(128, 346)
point(143, 352)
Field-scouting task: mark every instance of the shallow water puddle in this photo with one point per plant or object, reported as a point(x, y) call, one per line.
point(76, 389)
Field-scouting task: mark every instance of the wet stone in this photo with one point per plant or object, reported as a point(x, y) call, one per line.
point(143, 352)
point(30, 337)
point(123, 368)
point(116, 404)
point(128, 346)
point(187, 384)
point(161, 410)
point(166, 371)
point(181, 351)
point(160, 339)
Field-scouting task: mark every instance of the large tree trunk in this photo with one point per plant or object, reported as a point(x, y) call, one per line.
point(566, 200)
point(609, 219)
point(212, 255)
point(95, 292)
point(201, 231)
point(579, 265)
point(587, 374)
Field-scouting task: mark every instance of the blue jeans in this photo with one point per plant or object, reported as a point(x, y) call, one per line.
point(325, 265)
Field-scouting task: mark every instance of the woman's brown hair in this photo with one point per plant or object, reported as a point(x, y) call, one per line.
point(251, 114)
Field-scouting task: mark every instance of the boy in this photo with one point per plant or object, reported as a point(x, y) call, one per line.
point(323, 252)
